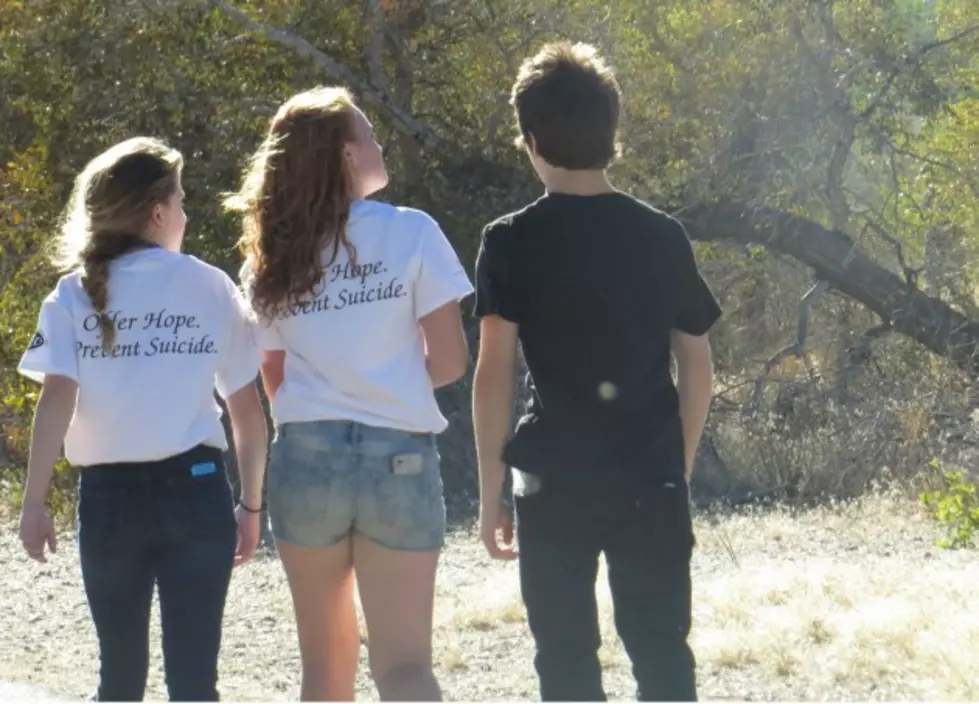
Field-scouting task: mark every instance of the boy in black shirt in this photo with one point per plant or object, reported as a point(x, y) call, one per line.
point(601, 290)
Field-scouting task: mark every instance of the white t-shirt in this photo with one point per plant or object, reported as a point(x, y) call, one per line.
point(354, 348)
point(182, 330)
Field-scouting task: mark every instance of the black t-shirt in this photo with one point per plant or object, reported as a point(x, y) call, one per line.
point(595, 285)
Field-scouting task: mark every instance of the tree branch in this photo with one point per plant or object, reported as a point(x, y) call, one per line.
point(403, 120)
point(908, 61)
point(910, 272)
point(834, 257)
point(889, 143)
point(834, 95)
point(855, 356)
point(838, 205)
point(796, 348)
point(374, 19)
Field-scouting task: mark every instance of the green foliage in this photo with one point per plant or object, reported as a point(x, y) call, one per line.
point(956, 507)
point(62, 499)
point(723, 100)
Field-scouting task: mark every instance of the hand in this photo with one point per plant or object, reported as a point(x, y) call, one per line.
point(496, 522)
point(36, 531)
point(249, 528)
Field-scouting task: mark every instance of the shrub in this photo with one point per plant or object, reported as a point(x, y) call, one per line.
point(956, 507)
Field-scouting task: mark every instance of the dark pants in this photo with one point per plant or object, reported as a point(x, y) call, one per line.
point(647, 539)
point(169, 523)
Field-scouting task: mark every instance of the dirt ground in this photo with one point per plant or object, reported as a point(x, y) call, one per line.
point(848, 602)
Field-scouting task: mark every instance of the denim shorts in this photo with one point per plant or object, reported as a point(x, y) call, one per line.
point(329, 479)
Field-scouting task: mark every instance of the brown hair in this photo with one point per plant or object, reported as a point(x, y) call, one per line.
point(567, 99)
point(108, 211)
point(296, 198)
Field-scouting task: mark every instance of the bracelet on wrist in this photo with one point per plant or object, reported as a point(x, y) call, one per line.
point(249, 509)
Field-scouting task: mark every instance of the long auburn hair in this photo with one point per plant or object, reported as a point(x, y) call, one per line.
point(108, 211)
point(295, 198)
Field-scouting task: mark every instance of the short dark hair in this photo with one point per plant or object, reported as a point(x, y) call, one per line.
point(567, 98)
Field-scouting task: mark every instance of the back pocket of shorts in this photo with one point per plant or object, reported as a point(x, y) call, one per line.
point(410, 501)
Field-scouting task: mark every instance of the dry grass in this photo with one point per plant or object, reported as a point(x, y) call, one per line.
point(846, 602)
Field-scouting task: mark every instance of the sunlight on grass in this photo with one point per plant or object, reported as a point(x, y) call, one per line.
point(489, 617)
point(453, 659)
point(850, 602)
point(896, 624)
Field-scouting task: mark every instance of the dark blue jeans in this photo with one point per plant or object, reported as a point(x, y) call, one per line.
point(647, 538)
point(169, 524)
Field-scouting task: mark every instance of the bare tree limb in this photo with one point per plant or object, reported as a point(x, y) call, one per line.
point(836, 95)
point(894, 148)
point(838, 205)
point(374, 19)
point(833, 256)
point(856, 356)
point(910, 273)
point(797, 348)
point(910, 61)
point(847, 122)
point(403, 120)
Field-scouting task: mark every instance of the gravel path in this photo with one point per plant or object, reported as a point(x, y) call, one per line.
point(848, 603)
point(13, 692)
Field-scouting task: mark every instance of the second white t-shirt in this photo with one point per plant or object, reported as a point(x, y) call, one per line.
point(354, 349)
point(182, 331)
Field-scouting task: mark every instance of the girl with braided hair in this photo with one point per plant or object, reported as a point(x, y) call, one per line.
point(130, 347)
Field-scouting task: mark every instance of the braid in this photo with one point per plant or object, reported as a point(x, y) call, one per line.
point(102, 251)
point(109, 213)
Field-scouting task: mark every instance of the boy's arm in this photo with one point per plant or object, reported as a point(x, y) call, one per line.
point(494, 387)
point(695, 383)
point(494, 384)
point(697, 312)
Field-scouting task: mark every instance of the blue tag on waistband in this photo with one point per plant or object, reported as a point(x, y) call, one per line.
point(202, 468)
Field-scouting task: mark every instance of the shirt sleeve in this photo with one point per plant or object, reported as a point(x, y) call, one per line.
point(53, 349)
point(698, 309)
point(240, 358)
point(266, 335)
point(441, 276)
point(495, 286)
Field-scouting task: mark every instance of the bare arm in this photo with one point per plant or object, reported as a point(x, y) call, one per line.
point(273, 371)
point(446, 349)
point(55, 407)
point(494, 387)
point(695, 385)
point(53, 413)
point(250, 433)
